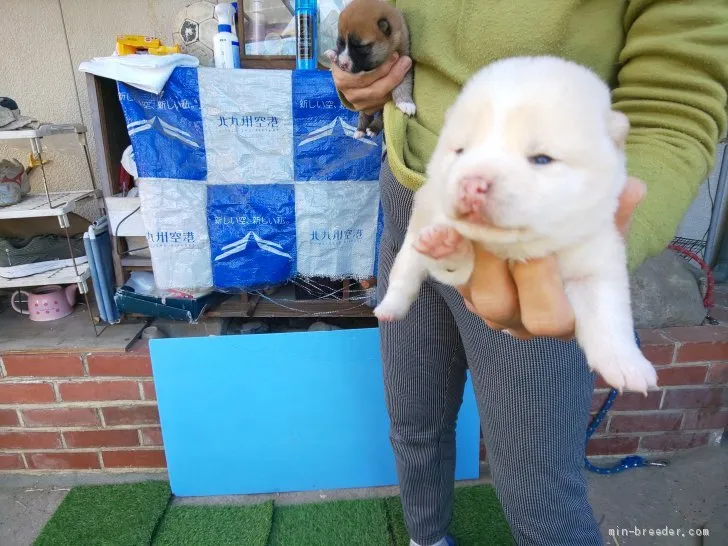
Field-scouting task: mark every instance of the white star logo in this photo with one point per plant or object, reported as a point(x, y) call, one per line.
point(329, 130)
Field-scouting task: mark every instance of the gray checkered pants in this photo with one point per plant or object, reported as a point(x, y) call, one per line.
point(533, 398)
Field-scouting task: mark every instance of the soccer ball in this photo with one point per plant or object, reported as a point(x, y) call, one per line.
point(194, 30)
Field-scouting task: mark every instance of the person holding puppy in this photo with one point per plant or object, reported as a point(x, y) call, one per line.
point(511, 325)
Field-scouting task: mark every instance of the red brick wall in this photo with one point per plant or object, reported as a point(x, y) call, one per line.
point(98, 411)
point(79, 412)
point(690, 409)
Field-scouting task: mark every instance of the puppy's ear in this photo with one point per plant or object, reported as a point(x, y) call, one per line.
point(618, 127)
point(384, 26)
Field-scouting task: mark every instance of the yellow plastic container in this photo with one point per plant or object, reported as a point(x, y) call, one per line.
point(131, 44)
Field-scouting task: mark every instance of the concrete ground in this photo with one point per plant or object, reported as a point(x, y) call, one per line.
point(684, 500)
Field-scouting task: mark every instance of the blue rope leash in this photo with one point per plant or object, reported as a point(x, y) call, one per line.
point(632, 461)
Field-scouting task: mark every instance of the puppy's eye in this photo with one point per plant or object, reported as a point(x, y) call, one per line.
point(340, 44)
point(459, 151)
point(540, 159)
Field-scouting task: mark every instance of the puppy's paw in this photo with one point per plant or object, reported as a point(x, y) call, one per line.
point(628, 371)
point(331, 55)
point(371, 133)
point(393, 307)
point(439, 241)
point(407, 107)
point(358, 134)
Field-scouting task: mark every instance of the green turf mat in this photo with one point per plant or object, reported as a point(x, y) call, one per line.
point(124, 515)
point(337, 523)
point(478, 518)
point(215, 525)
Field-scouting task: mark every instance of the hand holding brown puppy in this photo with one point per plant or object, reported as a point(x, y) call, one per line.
point(368, 92)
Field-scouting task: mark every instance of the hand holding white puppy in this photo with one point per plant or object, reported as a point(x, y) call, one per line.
point(530, 167)
point(527, 298)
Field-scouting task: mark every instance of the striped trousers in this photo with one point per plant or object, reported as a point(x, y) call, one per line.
point(533, 399)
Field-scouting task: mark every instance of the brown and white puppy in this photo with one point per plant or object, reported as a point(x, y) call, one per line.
point(370, 31)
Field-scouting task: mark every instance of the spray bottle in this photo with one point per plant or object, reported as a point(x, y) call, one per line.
point(225, 43)
point(306, 15)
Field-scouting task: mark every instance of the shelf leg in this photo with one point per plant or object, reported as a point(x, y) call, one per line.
point(84, 144)
point(37, 148)
point(70, 246)
point(83, 289)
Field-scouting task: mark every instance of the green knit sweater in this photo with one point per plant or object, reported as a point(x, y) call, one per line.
point(666, 60)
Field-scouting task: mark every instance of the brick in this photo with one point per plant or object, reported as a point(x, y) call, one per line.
point(702, 352)
point(63, 461)
point(709, 418)
point(598, 399)
point(61, 417)
point(131, 415)
point(695, 398)
point(612, 445)
point(26, 393)
point(136, 458)
point(700, 343)
point(153, 437)
point(11, 461)
point(657, 348)
point(718, 374)
point(99, 390)
point(9, 418)
point(652, 336)
point(695, 334)
point(29, 440)
point(671, 441)
point(659, 355)
point(133, 364)
point(682, 375)
point(602, 426)
point(652, 422)
point(43, 365)
point(101, 438)
point(149, 391)
point(634, 401)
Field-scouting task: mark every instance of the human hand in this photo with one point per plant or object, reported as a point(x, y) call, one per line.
point(527, 299)
point(368, 92)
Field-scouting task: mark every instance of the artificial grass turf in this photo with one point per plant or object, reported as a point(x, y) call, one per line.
point(215, 525)
point(124, 515)
point(335, 523)
point(127, 515)
point(477, 519)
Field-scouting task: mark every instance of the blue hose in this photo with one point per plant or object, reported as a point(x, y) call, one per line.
point(632, 461)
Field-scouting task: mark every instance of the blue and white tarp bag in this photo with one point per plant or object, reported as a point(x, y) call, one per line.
point(248, 178)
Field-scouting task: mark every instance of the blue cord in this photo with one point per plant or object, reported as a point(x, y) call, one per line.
point(632, 461)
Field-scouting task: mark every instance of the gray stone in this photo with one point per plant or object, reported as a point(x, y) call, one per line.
point(176, 328)
point(254, 327)
point(665, 292)
point(320, 326)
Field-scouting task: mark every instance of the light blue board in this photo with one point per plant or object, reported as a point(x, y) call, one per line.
point(282, 412)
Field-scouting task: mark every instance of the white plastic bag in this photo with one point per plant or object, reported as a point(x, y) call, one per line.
point(175, 215)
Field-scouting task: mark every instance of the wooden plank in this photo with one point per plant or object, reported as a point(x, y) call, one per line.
point(70, 334)
point(109, 127)
point(239, 307)
point(311, 308)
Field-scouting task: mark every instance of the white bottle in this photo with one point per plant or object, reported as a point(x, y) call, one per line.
point(225, 43)
point(257, 27)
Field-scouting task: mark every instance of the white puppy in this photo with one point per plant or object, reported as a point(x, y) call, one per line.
point(531, 163)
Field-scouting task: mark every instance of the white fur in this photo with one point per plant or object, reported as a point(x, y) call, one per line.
point(512, 110)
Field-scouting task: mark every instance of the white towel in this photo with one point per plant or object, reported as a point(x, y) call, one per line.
point(146, 72)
